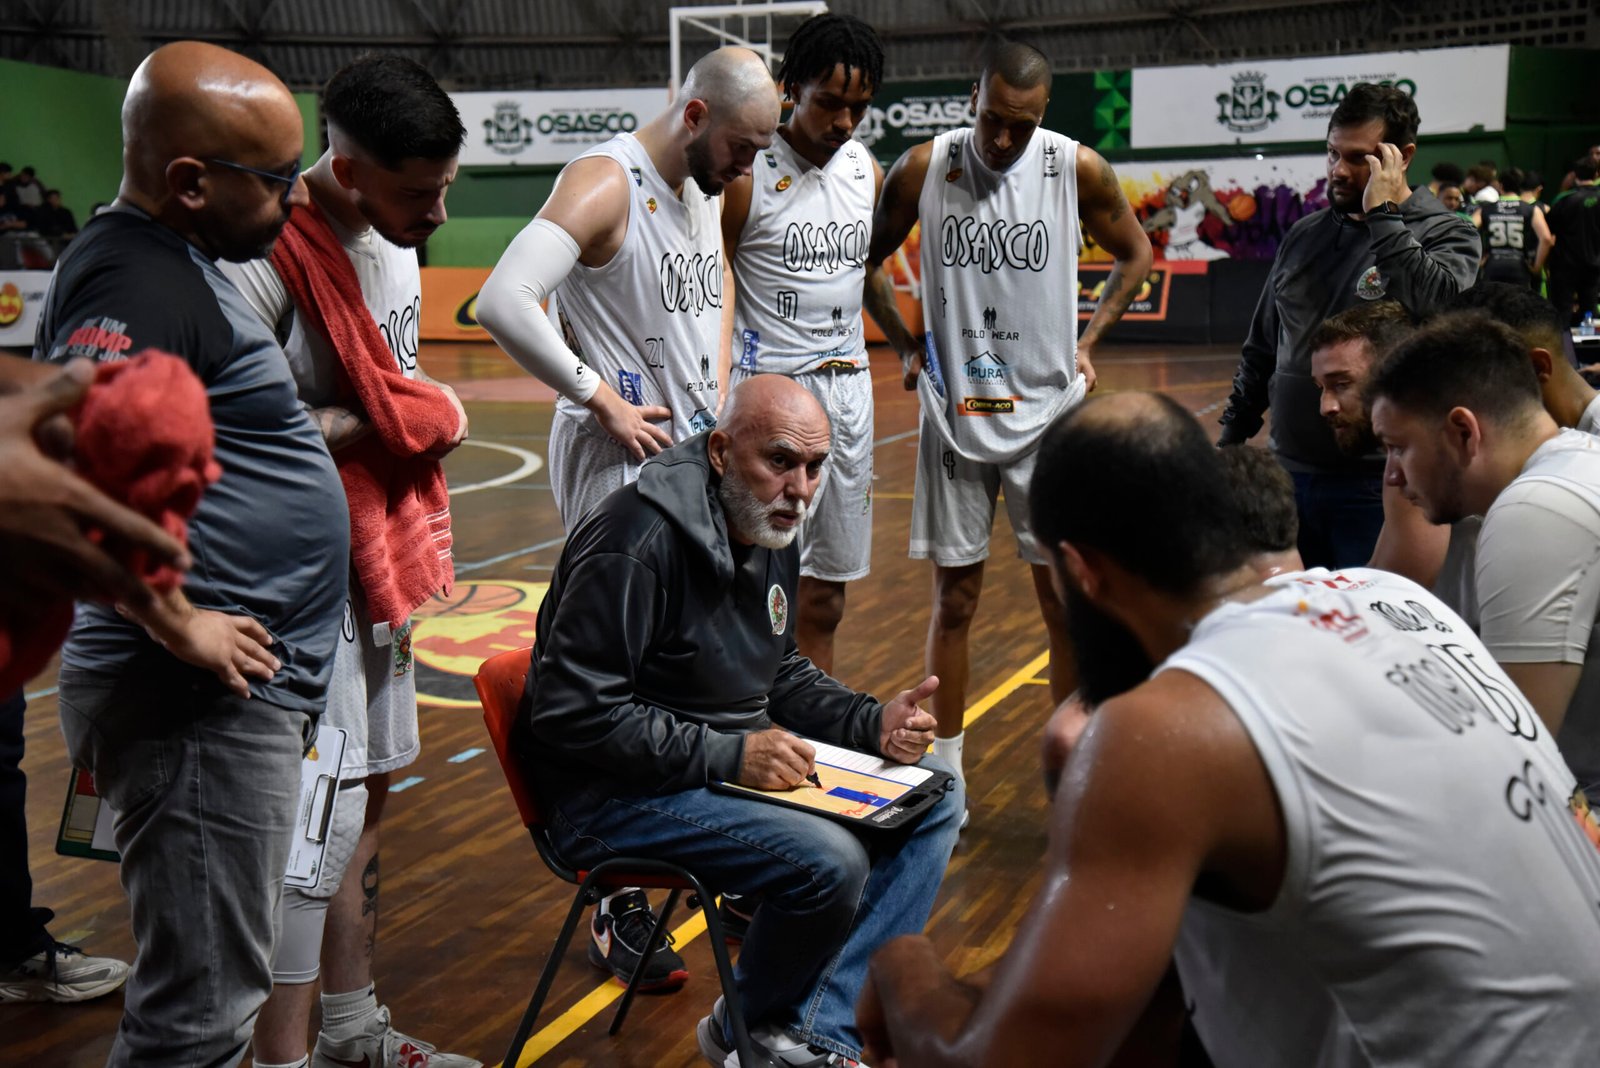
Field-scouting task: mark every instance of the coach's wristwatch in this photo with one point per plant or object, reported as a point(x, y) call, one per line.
point(1388, 207)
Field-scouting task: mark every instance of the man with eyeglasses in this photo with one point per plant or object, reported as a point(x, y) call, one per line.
point(377, 194)
point(193, 712)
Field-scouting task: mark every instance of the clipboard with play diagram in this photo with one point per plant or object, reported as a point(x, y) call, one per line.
point(858, 789)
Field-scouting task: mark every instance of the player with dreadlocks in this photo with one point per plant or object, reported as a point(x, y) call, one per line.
point(796, 232)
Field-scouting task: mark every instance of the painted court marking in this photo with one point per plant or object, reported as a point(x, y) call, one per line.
point(593, 1003)
point(405, 784)
point(531, 464)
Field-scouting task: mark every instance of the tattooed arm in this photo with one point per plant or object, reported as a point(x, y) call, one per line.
point(1107, 218)
point(339, 426)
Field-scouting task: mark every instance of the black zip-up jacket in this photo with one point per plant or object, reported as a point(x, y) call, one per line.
point(661, 644)
point(1329, 262)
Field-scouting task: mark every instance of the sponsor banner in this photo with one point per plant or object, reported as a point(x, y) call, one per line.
point(1220, 208)
point(1457, 90)
point(21, 299)
point(450, 303)
point(1082, 105)
point(545, 128)
point(1173, 304)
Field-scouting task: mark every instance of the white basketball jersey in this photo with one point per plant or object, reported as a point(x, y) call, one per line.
point(391, 288)
point(648, 322)
point(801, 261)
point(999, 294)
point(1440, 902)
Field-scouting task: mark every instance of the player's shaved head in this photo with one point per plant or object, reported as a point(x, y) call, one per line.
point(1019, 65)
point(731, 80)
point(195, 99)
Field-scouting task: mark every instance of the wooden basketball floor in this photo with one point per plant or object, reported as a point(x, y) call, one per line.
point(467, 910)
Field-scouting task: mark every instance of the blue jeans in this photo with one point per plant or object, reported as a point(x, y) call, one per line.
point(830, 896)
point(205, 787)
point(1341, 515)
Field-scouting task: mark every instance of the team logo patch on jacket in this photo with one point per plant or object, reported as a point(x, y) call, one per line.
point(778, 609)
point(1371, 285)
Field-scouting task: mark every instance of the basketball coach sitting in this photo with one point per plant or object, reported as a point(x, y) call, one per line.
point(665, 660)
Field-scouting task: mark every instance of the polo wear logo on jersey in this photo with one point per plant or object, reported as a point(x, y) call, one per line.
point(986, 366)
point(778, 609)
point(1371, 285)
point(828, 248)
point(967, 242)
point(991, 320)
point(691, 283)
point(99, 338)
point(651, 204)
point(784, 183)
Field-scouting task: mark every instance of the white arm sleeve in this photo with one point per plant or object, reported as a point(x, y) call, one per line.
point(537, 260)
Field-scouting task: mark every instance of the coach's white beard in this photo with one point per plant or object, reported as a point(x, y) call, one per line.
point(751, 517)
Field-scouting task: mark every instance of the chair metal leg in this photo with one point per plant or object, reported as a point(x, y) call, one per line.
point(581, 901)
point(657, 933)
point(730, 993)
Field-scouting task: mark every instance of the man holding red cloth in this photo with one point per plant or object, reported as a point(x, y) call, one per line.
point(343, 293)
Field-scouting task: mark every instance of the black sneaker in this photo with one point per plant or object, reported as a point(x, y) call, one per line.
point(735, 913)
point(619, 931)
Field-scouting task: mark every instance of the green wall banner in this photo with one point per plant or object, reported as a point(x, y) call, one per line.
point(1087, 106)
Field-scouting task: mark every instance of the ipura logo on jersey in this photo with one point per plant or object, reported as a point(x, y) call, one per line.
point(968, 242)
point(1371, 285)
point(691, 283)
point(986, 366)
point(778, 609)
point(828, 248)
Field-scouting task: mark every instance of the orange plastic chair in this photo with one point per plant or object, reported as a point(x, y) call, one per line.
point(500, 682)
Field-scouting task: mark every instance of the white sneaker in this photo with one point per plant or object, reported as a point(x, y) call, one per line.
point(384, 1047)
point(62, 973)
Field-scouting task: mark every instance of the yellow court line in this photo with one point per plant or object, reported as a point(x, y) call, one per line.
point(1036, 682)
point(594, 1002)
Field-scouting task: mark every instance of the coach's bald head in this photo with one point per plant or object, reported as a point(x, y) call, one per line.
point(197, 119)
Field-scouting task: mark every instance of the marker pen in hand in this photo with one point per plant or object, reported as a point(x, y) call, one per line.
point(814, 780)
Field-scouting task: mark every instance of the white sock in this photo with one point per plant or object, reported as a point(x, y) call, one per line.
point(303, 1062)
point(345, 1016)
point(949, 751)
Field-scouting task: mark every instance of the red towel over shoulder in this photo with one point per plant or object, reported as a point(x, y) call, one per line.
point(399, 501)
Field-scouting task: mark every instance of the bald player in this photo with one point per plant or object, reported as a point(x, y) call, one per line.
point(1303, 855)
point(629, 251)
point(1003, 206)
point(193, 711)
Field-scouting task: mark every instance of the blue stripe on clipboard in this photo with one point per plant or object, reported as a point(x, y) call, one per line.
point(856, 795)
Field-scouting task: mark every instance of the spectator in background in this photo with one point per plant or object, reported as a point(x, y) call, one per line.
point(1533, 190)
point(1482, 184)
point(1377, 239)
point(55, 218)
point(1575, 261)
point(28, 192)
point(11, 219)
point(1445, 174)
point(1593, 156)
point(1451, 196)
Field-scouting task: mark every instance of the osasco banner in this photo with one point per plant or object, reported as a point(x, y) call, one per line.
point(549, 127)
point(1292, 100)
